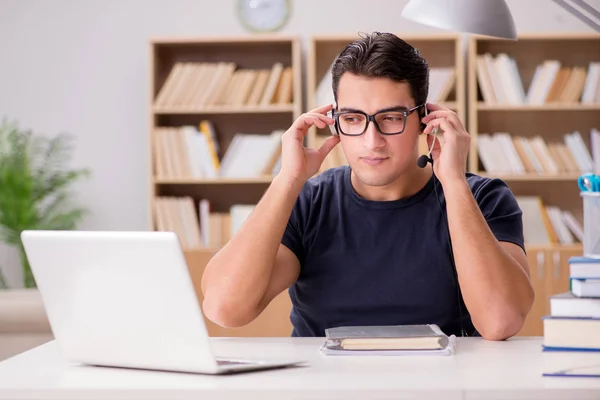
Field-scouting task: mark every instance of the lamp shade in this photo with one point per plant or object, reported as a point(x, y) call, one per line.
point(483, 17)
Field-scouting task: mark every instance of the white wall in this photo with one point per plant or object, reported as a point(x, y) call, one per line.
point(81, 66)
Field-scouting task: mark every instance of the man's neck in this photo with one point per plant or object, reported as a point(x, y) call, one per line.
point(408, 184)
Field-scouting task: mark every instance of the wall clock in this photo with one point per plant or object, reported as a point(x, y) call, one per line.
point(264, 15)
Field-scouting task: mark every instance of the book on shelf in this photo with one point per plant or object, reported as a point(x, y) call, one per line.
point(500, 82)
point(190, 152)
point(547, 224)
point(572, 328)
point(252, 155)
point(502, 153)
point(198, 85)
point(441, 82)
point(202, 229)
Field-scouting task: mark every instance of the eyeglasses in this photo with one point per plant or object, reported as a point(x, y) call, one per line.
point(387, 122)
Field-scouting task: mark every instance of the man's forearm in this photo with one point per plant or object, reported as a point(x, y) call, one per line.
point(496, 289)
point(236, 278)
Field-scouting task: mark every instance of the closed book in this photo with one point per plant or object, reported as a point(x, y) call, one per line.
point(585, 287)
point(571, 364)
point(386, 337)
point(571, 332)
point(584, 267)
point(569, 305)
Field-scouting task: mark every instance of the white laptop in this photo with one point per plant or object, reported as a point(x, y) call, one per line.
point(125, 299)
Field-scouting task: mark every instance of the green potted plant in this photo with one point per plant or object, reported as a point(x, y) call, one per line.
point(34, 187)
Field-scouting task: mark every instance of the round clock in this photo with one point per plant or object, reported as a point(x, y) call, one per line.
point(264, 15)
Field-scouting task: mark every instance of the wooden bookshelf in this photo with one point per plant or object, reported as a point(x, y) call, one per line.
point(533, 109)
point(218, 106)
point(184, 111)
point(443, 53)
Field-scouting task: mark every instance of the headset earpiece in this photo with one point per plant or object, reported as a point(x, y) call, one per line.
point(333, 128)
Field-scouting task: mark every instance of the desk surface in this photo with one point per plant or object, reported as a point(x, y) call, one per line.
point(479, 370)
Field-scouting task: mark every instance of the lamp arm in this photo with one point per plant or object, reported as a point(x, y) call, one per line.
point(579, 15)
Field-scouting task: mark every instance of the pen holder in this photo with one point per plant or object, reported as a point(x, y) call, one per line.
point(591, 224)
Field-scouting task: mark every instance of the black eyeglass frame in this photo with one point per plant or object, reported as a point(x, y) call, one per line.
point(371, 118)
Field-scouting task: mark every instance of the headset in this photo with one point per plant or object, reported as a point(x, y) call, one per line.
point(422, 162)
point(333, 127)
point(424, 159)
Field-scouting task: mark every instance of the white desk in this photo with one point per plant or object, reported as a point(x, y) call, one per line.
point(479, 370)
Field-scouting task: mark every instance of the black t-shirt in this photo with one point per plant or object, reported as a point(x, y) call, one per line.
point(369, 262)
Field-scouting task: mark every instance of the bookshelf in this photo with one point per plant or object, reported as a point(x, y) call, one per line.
point(218, 107)
point(443, 53)
point(534, 120)
point(214, 135)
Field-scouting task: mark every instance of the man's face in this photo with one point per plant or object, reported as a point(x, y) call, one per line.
point(376, 159)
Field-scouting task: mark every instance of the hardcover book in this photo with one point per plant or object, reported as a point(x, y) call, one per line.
point(387, 338)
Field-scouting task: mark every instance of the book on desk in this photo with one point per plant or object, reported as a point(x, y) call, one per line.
point(427, 339)
point(572, 330)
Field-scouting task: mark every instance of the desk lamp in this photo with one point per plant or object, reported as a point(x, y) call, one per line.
point(483, 17)
point(486, 17)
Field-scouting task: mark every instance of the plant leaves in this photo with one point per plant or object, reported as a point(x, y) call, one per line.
point(3, 284)
point(34, 183)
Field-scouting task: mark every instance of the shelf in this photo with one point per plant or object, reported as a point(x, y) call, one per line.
point(545, 107)
point(415, 37)
point(554, 247)
point(533, 177)
point(222, 40)
point(553, 69)
point(201, 251)
point(544, 37)
point(216, 181)
point(228, 97)
point(286, 108)
point(550, 143)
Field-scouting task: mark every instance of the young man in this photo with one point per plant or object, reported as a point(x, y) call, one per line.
point(382, 241)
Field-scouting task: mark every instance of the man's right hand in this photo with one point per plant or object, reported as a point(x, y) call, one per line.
point(298, 162)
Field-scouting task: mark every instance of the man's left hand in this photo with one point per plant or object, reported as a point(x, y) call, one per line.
point(449, 162)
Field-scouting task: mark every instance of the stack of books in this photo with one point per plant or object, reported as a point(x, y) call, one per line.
point(572, 330)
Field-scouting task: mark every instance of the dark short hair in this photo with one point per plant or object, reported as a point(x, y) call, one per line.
point(384, 55)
